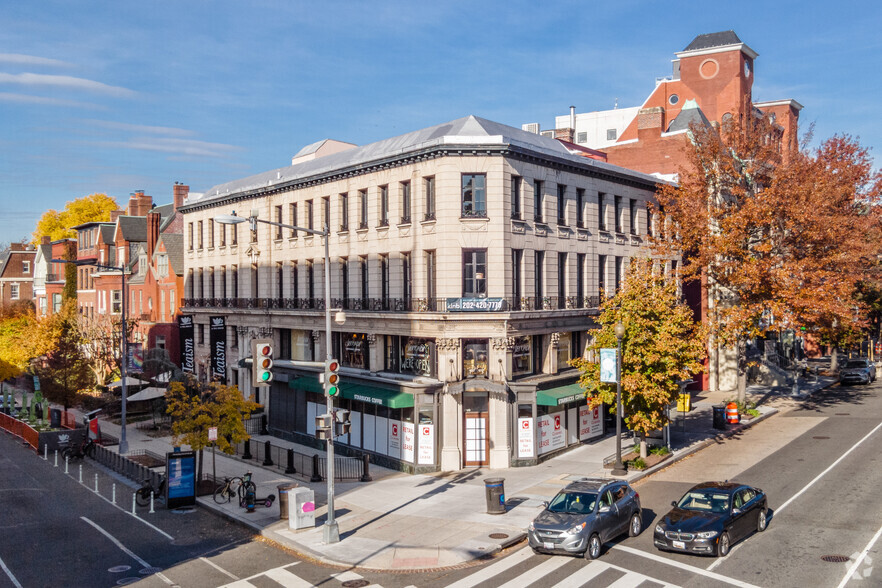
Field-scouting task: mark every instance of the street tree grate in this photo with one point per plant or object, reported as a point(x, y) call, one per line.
point(820, 437)
point(835, 558)
point(498, 536)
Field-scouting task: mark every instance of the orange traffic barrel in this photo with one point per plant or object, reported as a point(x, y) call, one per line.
point(732, 413)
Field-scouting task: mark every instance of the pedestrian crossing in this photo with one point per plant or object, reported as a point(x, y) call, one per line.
point(521, 569)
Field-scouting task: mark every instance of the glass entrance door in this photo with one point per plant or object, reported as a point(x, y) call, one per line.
point(477, 428)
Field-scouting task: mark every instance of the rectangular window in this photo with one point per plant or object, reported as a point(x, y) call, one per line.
point(223, 281)
point(384, 206)
point(516, 204)
point(517, 261)
point(115, 300)
point(292, 212)
point(384, 280)
point(619, 263)
point(255, 281)
point(601, 274)
point(474, 273)
point(601, 212)
point(201, 282)
point(223, 235)
point(539, 285)
point(234, 234)
point(13, 292)
point(285, 344)
point(406, 278)
point(429, 184)
point(365, 284)
point(538, 202)
point(650, 222)
point(199, 236)
point(280, 281)
point(474, 195)
point(190, 236)
point(405, 203)
point(277, 217)
point(611, 134)
point(201, 330)
point(211, 283)
point(344, 281)
point(632, 215)
point(580, 208)
point(295, 281)
point(561, 280)
point(25, 267)
point(581, 137)
point(310, 224)
point(363, 205)
point(431, 288)
point(344, 211)
point(326, 213)
point(580, 280)
point(310, 281)
point(618, 213)
point(234, 280)
point(561, 205)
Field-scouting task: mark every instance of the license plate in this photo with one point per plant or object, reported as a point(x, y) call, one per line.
point(548, 545)
point(678, 545)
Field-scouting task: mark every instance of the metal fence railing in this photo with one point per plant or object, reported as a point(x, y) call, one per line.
point(311, 467)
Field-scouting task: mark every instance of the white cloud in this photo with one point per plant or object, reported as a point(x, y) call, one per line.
point(152, 130)
point(42, 100)
point(70, 82)
point(18, 59)
point(176, 146)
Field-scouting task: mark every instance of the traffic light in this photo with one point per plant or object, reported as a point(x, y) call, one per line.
point(262, 358)
point(331, 377)
point(324, 426)
point(342, 424)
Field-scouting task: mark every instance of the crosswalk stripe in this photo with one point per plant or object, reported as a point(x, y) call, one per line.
point(346, 576)
point(536, 573)
point(628, 581)
point(287, 579)
point(583, 575)
point(494, 569)
point(642, 577)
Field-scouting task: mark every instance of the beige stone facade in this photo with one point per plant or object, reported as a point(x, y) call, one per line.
point(462, 303)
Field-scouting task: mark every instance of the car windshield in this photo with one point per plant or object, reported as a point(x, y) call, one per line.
point(856, 363)
point(573, 502)
point(705, 500)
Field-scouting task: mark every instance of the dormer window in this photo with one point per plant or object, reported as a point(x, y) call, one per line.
point(26, 267)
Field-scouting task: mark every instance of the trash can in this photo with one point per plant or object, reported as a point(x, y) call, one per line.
point(55, 418)
point(720, 417)
point(302, 512)
point(494, 492)
point(283, 498)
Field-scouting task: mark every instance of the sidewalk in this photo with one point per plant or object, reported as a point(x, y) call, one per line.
point(401, 521)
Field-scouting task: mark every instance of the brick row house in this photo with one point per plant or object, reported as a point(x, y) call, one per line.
point(49, 276)
point(17, 273)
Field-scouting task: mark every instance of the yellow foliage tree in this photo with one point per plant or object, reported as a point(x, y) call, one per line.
point(23, 337)
point(56, 225)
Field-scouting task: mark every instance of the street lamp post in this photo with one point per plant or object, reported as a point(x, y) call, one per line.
point(619, 467)
point(123, 442)
point(331, 530)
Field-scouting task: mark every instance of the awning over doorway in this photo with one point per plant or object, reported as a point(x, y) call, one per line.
point(560, 395)
point(358, 392)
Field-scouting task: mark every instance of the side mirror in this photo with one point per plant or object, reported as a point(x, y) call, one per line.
point(736, 511)
point(674, 503)
point(603, 509)
point(544, 504)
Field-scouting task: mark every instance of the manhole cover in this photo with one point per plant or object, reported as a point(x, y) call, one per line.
point(119, 569)
point(498, 536)
point(355, 583)
point(835, 558)
point(820, 437)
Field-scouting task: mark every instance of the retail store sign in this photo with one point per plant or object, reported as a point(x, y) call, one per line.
point(427, 444)
point(525, 437)
point(475, 304)
point(551, 432)
point(407, 442)
point(590, 423)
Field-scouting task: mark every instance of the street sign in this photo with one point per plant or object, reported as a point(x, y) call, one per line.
point(212, 433)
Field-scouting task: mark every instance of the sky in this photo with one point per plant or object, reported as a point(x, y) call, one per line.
point(114, 97)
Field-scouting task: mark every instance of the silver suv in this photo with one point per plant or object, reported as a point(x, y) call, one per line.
point(585, 515)
point(857, 370)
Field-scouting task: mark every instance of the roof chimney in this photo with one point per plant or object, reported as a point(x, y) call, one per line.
point(152, 233)
point(180, 193)
point(139, 203)
point(45, 240)
point(573, 118)
point(115, 214)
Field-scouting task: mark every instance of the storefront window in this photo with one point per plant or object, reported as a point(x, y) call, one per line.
point(525, 411)
point(474, 358)
point(418, 356)
point(426, 416)
point(522, 356)
point(301, 346)
point(355, 351)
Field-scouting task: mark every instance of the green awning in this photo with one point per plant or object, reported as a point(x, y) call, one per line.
point(560, 395)
point(357, 392)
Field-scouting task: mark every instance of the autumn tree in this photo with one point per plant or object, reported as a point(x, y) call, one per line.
point(662, 346)
point(57, 224)
point(65, 370)
point(100, 336)
point(24, 337)
point(773, 236)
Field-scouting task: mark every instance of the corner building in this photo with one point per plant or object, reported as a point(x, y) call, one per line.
point(469, 259)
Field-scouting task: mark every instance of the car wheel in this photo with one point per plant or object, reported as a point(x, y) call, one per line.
point(594, 546)
point(723, 545)
point(636, 525)
point(762, 521)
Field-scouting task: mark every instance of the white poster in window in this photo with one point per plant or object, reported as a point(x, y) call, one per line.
point(551, 432)
point(590, 423)
point(395, 439)
point(407, 442)
point(525, 437)
point(427, 444)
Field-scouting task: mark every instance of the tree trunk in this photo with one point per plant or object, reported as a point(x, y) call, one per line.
point(834, 359)
point(643, 452)
point(742, 373)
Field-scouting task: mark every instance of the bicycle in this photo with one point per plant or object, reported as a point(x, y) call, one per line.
point(142, 496)
point(228, 490)
point(75, 452)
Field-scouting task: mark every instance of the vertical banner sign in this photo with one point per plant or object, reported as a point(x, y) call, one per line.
point(525, 437)
point(136, 356)
point(608, 366)
point(407, 442)
point(188, 344)
point(590, 423)
point(217, 334)
point(395, 438)
point(427, 444)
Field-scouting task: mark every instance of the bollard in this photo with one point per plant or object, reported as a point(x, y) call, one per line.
point(113, 494)
point(134, 506)
point(152, 496)
point(316, 476)
point(247, 454)
point(66, 464)
point(96, 482)
point(46, 452)
point(56, 458)
point(366, 464)
point(290, 469)
point(267, 457)
point(81, 473)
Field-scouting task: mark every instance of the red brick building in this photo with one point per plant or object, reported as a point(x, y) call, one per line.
point(17, 273)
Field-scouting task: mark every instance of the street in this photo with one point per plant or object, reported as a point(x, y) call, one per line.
point(817, 461)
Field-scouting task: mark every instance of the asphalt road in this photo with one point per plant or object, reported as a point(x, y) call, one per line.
point(818, 462)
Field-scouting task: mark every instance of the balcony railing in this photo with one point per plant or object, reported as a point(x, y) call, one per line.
point(518, 304)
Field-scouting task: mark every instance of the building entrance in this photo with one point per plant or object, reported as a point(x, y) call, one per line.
point(476, 412)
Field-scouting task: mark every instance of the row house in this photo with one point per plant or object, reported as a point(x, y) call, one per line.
point(17, 273)
point(49, 275)
point(469, 258)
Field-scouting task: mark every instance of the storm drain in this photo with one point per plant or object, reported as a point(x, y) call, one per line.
point(843, 414)
point(820, 437)
point(360, 583)
point(835, 558)
point(498, 536)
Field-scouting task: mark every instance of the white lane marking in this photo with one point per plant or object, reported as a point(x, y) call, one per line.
point(682, 566)
point(128, 512)
point(628, 581)
point(346, 576)
point(127, 551)
point(642, 577)
point(218, 568)
point(536, 573)
point(583, 575)
point(9, 574)
point(287, 579)
point(806, 487)
point(494, 569)
point(858, 561)
point(244, 583)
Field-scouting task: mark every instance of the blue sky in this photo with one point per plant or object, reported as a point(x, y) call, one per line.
point(118, 96)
